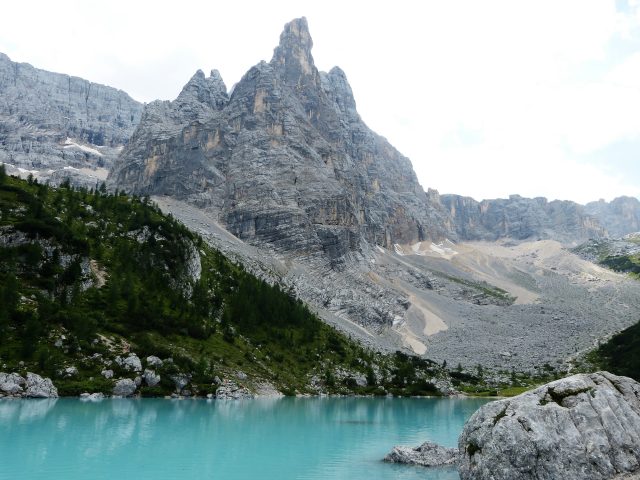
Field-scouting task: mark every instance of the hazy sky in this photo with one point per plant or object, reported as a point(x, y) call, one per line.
point(487, 98)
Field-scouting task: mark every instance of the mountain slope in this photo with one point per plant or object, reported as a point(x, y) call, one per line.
point(49, 121)
point(88, 278)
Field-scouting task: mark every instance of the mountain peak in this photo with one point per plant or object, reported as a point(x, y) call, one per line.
point(293, 54)
point(200, 89)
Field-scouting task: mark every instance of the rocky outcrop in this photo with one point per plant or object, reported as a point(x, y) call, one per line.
point(582, 427)
point(284, 161)
point(522, 218)
point(49, 121)
point(620, 216)
point(125, 387)
point(427, 455)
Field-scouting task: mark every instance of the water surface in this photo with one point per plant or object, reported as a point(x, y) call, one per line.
point(319, 438)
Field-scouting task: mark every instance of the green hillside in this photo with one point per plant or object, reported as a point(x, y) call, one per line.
point(86, 276)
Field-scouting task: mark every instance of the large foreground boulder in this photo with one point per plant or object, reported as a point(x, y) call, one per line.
point(427, 455)
point(581, 427)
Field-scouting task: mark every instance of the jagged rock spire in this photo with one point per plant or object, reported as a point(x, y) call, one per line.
point(293, 55)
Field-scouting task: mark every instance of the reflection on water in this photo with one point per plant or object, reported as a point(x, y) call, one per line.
point(312, 438)
point(25, 410)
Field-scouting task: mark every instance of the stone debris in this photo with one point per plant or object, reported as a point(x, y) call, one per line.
point(229, 390)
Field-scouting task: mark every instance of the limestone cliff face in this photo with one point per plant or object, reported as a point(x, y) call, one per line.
point(521, 218)
point(620, 217)
point(285, 160)
point(49, 120)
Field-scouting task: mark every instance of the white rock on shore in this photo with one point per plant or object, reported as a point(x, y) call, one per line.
point(427, 455)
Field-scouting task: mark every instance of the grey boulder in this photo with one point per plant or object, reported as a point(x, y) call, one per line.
point(427, 455)
point(38, 387)
point(180, 380)
point(586, 426)
point(132, 362)
point(11, 383)
point(153, 361)
point(125, 387)
point(151, 378)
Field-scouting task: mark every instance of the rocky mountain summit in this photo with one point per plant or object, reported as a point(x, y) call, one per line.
point(522, 218)
point(284, 161)
point(57, 126)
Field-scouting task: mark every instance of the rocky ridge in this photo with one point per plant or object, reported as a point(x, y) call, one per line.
point(620, 216)
point(522, 218)
point(57, 126)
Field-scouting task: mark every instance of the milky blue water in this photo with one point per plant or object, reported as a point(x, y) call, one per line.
point(321, 438)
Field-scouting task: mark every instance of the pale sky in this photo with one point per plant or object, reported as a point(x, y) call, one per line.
point(487, 98)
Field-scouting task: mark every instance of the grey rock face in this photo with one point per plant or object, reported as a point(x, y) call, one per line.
point(521, 218)
point(124, 387)
point(51, 121)
point(107, 373)
point(285, 161)
point(427, 455)
point(582, 427)
point(620, 217)
point(38, 387)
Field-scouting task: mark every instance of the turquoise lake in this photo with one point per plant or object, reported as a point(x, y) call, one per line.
point(317, 438)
